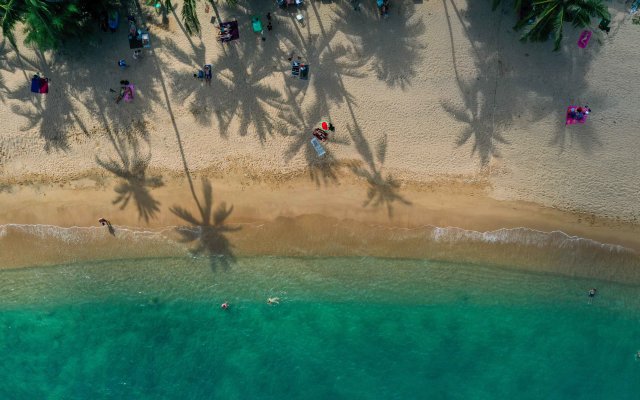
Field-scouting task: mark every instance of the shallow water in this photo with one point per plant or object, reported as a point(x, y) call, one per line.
point(345, 328)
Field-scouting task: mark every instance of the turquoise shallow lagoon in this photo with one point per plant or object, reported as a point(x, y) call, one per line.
point(357, 328)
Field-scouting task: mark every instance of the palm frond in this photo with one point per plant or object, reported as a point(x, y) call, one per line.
point(190, 17)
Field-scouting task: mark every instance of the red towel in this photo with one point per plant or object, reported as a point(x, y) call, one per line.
point(44, 85)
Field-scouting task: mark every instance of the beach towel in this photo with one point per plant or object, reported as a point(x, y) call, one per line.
point(44, 85)
point(318, 147)
point(571, 120)
point(35, 84)
point(583, 41)
point(128, 96)
point(39, 85)
point(257, 24)
point(229, 31)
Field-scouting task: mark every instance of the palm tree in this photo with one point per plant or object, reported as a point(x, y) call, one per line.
point(549, 17)
point(189, 14)
point(10, 14)
point(48, 24)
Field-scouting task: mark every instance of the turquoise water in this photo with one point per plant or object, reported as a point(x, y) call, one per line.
point(345, 328)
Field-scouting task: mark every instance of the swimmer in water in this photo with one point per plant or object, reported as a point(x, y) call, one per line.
point(224, 306)
point(592, 294)
point(273, 300)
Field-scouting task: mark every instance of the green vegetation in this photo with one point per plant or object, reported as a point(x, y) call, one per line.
point(47, 24)
point(541, 19)
point(190, 17)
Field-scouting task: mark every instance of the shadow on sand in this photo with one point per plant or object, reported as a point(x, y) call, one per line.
point(131, 167)
point(525, 82)
point(383, 189)
point(208, 230)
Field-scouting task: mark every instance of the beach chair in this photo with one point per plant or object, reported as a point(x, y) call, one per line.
point(295, 69)
point(304, 71)
point(256, 23)
point(318, 147)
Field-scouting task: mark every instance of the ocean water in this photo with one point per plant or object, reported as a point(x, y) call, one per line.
point(346, 327)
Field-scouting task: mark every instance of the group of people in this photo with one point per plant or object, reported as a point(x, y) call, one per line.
point(579, 113)
point(321, 133)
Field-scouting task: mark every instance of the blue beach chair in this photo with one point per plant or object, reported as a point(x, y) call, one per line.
point(318, 147)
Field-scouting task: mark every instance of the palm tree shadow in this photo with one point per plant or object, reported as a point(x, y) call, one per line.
point(394, 62)
point(383, 190)
point(208, 230)
point(295, 123)
point(480, 126)
point(135, 182)
point(585, 136)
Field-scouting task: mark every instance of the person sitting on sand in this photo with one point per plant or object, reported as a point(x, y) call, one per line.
point(104, 222)
point(273, 300)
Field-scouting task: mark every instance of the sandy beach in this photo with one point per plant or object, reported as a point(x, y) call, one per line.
point(443, 119)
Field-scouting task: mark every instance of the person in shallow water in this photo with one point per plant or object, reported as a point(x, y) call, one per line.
point(273, 300)
point(592, 292)
point(224, 306)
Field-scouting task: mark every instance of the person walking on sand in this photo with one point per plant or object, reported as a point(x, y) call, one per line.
point(105, 222)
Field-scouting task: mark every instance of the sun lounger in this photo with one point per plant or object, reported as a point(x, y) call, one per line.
point(295, 68)
point(318, 147)
point(304, 72)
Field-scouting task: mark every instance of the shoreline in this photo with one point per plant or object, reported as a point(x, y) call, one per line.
point(445, 220)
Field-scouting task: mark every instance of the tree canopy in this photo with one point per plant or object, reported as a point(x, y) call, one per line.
point(541, 19)
point(48, 23)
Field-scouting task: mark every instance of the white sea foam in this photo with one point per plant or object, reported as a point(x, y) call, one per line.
point(521, 236)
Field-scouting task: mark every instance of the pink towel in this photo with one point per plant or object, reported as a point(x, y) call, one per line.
point(128, 96)
point(583, 41)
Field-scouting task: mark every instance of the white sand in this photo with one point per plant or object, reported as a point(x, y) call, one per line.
point(401, 93)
